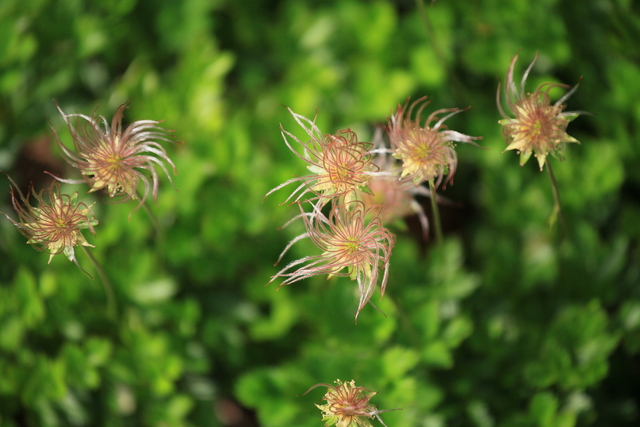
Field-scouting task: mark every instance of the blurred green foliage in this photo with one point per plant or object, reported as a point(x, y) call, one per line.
point(507, 324)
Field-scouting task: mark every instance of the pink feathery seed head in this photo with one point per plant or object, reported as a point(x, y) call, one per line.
point(115, 160)
point(346, 162)
point(538, 126)
point(55, 224)
point(395, 199)
point(348, 405)
point(349, 241)
point(340, 164)
point(394, 195)
point(427, 150)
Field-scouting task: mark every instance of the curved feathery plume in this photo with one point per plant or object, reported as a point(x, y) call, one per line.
point(340, 164)
point(57, 222)
point(538, 127)
point(115, 160)
point(348, 241)
point(348, 405)
point(427, 151)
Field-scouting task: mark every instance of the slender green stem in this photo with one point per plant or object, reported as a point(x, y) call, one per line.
point(154, 220)
point(112, 308)
point(429, 28)
point(458, 86)
point(152, 216)
point(436, 212)
point(557, 207)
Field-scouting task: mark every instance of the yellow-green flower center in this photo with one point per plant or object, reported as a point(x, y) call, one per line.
point(536, 128)
point(352, 246)
point(115, 161)
point(60, 223)
point(340, 173)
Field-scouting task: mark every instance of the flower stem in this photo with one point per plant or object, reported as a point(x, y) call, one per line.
point(436, 212)
point(152, 216)
point(154, 220)
point(458, 87)
point(557, 207)
point(112, 309)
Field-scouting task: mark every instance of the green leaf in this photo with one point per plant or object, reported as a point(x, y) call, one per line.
point(398, 361)
point(30, 304)
point(543, 408)
point(456, 331)
point(153, 292)
point(437, 354)
point(98, 351)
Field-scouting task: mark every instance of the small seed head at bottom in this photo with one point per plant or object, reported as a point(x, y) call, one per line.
point(348, 405)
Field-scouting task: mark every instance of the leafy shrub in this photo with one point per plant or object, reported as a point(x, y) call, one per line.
point(506, 323)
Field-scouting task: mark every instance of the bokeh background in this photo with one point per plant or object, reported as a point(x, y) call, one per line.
point(506, 324)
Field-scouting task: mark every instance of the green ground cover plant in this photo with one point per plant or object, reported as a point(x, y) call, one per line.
point(490, 290)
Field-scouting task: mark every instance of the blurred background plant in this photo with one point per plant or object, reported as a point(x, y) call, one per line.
point(501, 326)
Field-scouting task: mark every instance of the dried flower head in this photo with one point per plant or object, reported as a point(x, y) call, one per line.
point(340, 164)
point(427, 152)
point(538, 127)
point(348, 405)
point(57, 222)
point(348, 241)
point(394, 195)
point(395, 200)
point(115, 160)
